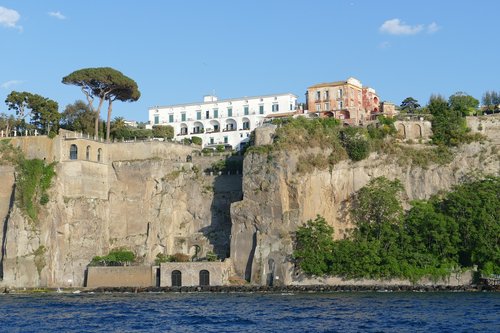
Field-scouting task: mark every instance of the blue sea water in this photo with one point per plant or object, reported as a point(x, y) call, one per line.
point(204, 312)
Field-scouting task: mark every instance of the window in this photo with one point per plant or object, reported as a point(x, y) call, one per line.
point(207, 114)
point(170, 118)
point(246, 125)
point(99, 154)
point(245, 110)
point(318, 95)
point(291, 107)
point(340, 93)
point(225, 139)
point(216, 113)
point(327, 106)
point(326, 94)
point(198, 115)
point(318, 107)
point(87, 153)
point(275, 107)
point(183, 116)
point(261, 109)
point(73, 152)
point(211, 141)
point(176, 278)
point(341, 105)
point(204, 278)
point(157, 119)
point(229, 112)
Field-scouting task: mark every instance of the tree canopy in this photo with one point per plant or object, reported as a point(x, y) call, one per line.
point(105, 84)
point(42, 112)
point(448, 125)
point(78, 117)
point(409, 105)
point(433, 238)
point(463, 103)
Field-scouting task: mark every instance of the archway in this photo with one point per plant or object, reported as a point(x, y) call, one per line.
point(176, 278)
point(204, 278)
point(73, 152)
point(87, 153)
point(99, 155)
point(402, 131)
point(231, 125)
point(417, 131)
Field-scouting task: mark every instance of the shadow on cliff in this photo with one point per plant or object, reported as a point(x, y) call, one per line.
point(5, 227)
point(227, 188)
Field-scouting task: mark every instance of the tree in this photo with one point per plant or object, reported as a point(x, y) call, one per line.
point(378, 208)
point(160, 131)
point(314, 246)
point(409, 105)
point(355, 142)
point(491, 100)
point(43, 112)
point(106, 84)
point(78, 117)
point(463, 103)
point(448, 125)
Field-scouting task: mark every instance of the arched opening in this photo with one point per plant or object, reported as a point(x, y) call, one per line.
point(99, 155)
point(73, 152)
point(176, 278)
point(417, 131)
point(246, 123)
point(344, 114)
point(402, 131)
point(198, 128)
point(204, 278)
point(328, 114)
point(215, 125)
point(230, 125)
point(184, 129)
point(87, 153)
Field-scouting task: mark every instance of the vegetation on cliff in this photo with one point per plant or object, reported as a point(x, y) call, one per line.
point(33, 179)
point(116, 257)
point(434, 238)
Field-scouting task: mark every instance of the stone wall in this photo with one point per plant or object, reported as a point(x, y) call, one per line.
point(190, 272)
point(121, 276)
point(415, 130)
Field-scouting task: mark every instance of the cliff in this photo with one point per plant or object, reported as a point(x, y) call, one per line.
point(277, 199)
point(148, 198)
point(158, 205)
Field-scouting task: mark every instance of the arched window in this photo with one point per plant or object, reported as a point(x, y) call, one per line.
point(87, 154)
point(176, 278)
point(204, 278)
point(99, 154)
point(73, 152)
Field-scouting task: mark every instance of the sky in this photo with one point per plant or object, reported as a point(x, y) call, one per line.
point(179, 51)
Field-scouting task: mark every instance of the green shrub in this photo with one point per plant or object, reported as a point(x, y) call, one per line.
point(212, 256)
point(196, 140)
point(161, 258)
point(114, 258)
point(355, 142)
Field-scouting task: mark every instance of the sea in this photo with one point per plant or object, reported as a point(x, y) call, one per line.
point(251, 312)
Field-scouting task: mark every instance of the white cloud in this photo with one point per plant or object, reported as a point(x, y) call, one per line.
point(57, 15)
point(398, 27)
point(9, 18)
point(8, 84)
point(432, 28)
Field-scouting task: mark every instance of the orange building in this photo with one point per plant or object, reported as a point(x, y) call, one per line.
point(345, 100)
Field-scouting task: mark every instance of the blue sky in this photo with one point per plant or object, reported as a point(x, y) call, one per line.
point(178, 51)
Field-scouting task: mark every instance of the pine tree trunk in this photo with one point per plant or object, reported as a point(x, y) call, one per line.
point(108, 123)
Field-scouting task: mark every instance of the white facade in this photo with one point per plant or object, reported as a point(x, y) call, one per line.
point(221, 122)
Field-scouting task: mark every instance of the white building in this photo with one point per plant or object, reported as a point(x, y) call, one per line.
point(221, 122)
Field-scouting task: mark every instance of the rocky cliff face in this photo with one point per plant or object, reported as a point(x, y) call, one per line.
point(277, 199)
point(148, 206)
